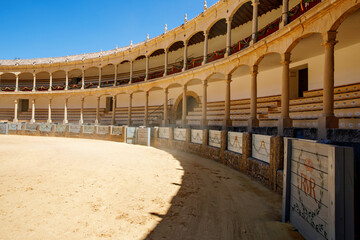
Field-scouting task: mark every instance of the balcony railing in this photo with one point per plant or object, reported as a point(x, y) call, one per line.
point(194, 62)
point(301, 8)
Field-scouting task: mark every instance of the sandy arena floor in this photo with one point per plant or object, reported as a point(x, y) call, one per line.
point(61, 188)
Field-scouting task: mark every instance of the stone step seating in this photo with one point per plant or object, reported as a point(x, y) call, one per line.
point(57, 115)
point(6, 114)
point(319, 99)
point(137, 115)
point(340, 89)
point(239, 112)
point(344, 123)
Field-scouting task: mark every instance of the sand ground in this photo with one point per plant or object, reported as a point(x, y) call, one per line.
point(61, 188)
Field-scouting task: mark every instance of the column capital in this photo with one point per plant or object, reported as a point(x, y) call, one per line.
point(82, 99)
point(205, 83)
point(16, 101)
point(33, 101)
point(228, 78)
point(255, 2)
point(329, 38)
point(254, 70)
point(147, 93)
point(166, 90)
point(130, 95)
point(229, 20)
point(285, 58)
point(185, 87)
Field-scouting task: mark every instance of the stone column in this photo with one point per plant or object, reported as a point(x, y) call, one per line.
point(327, 118)
point(97, 111)
point(185, 55)
point(100, 73)
point(113, 111)
point(50, 83)
point(165, 120)
point(227, 120)
point(285, 121)
point(49, 111)
point(17, 83)
point(255, 4)
point(32, 111)
point(34, 83)
point(16, 111)
point(204, 122)
point(66, 80)
point(206, 47)
point(184, 107)
point(285, 10)
point(228, 36)
point(116, 73)
point(129, 109)
point(147, 68)
point(166, 61)
point(253, 121)
point(131, 72)
point(65, 112)
point(83, 79)
point(146, 111)
point(82, 111)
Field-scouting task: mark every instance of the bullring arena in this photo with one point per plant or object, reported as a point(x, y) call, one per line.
point(242, 123)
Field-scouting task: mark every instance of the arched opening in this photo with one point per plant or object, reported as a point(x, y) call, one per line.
point(195, 50)
point(42, 81)
point(7, 82)
point(59, 80)
point(26, 81)
point(156, 64)
point(107, 75)
point(91, 77)
point(175, 58)
point(217, 41)
point(139, 69)
point(75, 78)
point(123, 76)
point(191, 103)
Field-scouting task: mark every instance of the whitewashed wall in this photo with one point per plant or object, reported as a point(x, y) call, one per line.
point(197, 136)
point(261, 147)
point(180, 134)
point(235, 141)
point(215, 138)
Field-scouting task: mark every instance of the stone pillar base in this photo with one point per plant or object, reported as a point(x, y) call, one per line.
point(204, 124)
point(226, 123)
point(49, 121)
point(252, 122)
point(284, 123)
point(165, 123)
point(325, 122)
point(32, 121)
point(65, 122)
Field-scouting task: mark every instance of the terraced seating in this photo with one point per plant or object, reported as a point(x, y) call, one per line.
point(340, 89)
point(239, 111)
point(6, 114)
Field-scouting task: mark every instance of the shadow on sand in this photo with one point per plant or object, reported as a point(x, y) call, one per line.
point(216, 202)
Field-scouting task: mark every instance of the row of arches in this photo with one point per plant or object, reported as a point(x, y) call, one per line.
point(167, 60)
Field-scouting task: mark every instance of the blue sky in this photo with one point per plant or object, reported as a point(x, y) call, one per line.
point(52, 28)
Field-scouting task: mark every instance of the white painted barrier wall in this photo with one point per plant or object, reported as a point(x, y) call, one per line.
point(318, 189)
point(164, 132)
point(215, 138)
point(235, 142)
point(180, 134)
point(261, 147)
point(197, 136)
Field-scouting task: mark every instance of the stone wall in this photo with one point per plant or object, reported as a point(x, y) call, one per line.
point(268, 174)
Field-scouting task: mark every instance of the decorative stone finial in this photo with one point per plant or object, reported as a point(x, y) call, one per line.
point(186, 19)
point(205, 6)
point(131, 43)
point(147, 37)
point(165, 28)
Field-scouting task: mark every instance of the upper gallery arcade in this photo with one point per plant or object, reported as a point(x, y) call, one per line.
point(234, 50)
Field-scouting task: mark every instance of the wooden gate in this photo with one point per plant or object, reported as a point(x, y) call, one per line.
point(318, 194)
